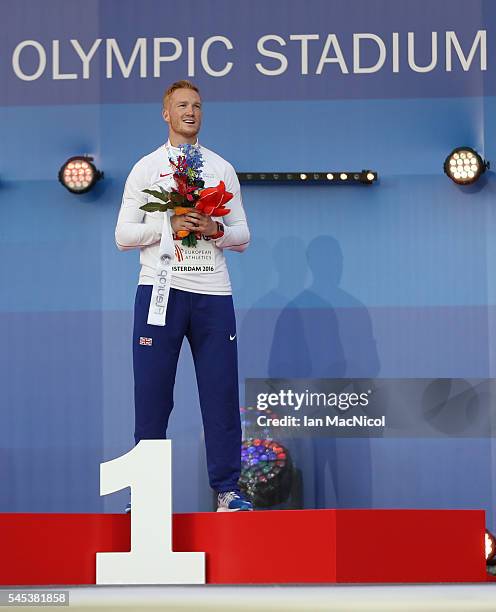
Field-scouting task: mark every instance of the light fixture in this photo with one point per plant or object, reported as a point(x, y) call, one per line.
point(266, 472)
point(79, 174)
point(490, 546)
point(364, 177)
point(464, 165)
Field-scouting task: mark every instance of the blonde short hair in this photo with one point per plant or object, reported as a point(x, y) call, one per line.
point(178, 85)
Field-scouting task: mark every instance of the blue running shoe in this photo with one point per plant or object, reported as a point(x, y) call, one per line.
point(232, 501)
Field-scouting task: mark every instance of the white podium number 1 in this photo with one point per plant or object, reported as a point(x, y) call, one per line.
point(147, 470)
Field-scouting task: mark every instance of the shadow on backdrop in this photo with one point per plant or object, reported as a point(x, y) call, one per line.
point(323, 332)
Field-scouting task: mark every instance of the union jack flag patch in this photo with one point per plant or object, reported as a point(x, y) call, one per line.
point(145, 341)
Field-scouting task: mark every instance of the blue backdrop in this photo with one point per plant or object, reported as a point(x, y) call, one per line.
point(395, 281)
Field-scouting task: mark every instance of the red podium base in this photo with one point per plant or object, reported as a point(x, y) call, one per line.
point(283, 546)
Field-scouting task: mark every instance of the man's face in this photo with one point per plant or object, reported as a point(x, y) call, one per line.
point(183, 114)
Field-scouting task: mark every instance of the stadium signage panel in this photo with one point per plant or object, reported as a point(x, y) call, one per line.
point(315, 54)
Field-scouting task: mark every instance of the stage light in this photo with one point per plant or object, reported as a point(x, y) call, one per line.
point(79, 174)
point(464, 165)
point(490, 546)
point(364, 177)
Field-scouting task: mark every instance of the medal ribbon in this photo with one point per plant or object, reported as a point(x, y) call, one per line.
point(157, 310)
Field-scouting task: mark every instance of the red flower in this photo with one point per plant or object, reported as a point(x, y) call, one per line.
point(180, 164)
point(183, 187)
point(211, 201)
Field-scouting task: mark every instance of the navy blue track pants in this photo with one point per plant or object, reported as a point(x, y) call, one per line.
point(209, 324)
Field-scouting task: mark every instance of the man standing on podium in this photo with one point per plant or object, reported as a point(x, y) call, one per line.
point(178, 298)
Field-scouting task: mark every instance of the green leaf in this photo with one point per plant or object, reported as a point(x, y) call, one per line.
point(161, 195)
point(155, 206)
point(189, 240)
point(177, 199)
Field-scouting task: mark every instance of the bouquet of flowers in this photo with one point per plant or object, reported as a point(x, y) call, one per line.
point(189, 193)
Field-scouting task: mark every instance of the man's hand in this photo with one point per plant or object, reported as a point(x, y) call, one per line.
point(194, 222)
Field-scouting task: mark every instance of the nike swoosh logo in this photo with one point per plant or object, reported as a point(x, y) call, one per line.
point(162, 175)
point(232, 337)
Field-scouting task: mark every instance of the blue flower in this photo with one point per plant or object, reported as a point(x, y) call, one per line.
point(194, 159)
